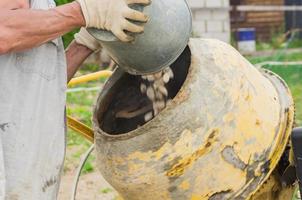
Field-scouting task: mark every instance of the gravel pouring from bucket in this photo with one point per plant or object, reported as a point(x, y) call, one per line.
point(127, 96)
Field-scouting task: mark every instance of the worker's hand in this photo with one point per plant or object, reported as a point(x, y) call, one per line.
point(85, 39)
point(113, 15)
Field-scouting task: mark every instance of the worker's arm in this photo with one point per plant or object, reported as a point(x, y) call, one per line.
point(79, 49)
point(75, 56)
point(14, 4)
point(25, 28)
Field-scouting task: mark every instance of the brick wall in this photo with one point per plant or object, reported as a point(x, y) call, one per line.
point(211, 19)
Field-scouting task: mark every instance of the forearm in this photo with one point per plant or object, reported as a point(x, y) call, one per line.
point(75, 56)
point(14, 4)
point(24, 28)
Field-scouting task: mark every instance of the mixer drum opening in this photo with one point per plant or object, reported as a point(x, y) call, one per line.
point(125, 95)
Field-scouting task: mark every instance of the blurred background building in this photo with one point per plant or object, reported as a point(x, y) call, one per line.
point(221, 19)
point(211, 19)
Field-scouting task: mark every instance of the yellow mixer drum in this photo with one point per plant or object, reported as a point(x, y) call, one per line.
point(220, 137)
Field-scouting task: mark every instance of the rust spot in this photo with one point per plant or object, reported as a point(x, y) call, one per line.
point(182, 96)
point(172, 188)
point(230, 156)
point(250, 174)
point(212, 135)
point(248, 97)
point(208, 144)
point(179, 168)
point(265, 168)
point(220, 195)
point(254, 170)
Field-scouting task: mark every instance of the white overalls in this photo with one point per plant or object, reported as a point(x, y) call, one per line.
point(32, 121)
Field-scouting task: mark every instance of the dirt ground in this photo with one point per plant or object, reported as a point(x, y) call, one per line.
point(92, 186)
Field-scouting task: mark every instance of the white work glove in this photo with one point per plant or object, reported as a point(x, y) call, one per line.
point(113, 15)
point(87, 40)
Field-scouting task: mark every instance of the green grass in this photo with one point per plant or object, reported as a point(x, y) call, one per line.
point(291, 74)
point(293, 77)
point(106, 190)
point(279, 56)
point(296, 43)
point(80, 106)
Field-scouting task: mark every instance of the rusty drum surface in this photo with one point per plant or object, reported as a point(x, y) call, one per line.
point(221, 137)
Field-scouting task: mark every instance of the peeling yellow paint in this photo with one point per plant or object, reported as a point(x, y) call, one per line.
point(198, 197)
point(258, 171)
point(228, 117)
point(119, 198)
point(181, 166)
point(258, 122)
point(185, 185)
point(140, 156)
point(248, 97)
point(134, 167)
point(159, 154)
point(210, 118)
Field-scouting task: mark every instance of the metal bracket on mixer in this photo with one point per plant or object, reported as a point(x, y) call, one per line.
point(297, 148)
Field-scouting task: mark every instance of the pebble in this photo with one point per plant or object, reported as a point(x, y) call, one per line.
point(148, 116)
point(158, 75)
point(166, 77)
point(162, 89)
point(151, 93)
point(169, 72)
point(143, 88)
point(155, 111)
point(160, 105)
point(159, 95)
point(150, 78)
point(157, 91)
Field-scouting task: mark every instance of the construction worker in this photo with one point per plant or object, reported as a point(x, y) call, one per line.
point(33, 77)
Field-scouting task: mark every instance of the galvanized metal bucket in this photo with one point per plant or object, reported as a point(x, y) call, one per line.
point(165, 37)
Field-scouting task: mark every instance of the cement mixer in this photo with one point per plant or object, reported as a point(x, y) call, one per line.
point(225, 134)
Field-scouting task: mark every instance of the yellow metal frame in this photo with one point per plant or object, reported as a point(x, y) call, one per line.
point(75, 124)
point(90, 77)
